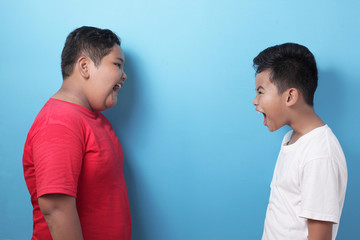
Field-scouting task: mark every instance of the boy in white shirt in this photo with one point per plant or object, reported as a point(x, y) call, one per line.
point(310, 177)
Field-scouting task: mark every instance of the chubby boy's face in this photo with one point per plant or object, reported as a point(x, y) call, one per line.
point(269, 102)
point(106, 80)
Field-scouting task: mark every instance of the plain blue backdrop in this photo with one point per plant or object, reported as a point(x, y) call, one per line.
point(198, 161)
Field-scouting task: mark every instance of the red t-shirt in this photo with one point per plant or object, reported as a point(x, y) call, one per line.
point(74, 151)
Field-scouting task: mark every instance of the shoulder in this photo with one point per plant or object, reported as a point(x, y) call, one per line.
point(323, 144)
point(64, 112)
point(323, 138)
point(59, 113)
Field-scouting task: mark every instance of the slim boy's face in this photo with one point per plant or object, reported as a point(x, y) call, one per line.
point(106, 80)
point(269, 102)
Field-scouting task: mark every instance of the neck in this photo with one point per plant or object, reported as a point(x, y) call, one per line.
point(71, 91)
point(304, 121)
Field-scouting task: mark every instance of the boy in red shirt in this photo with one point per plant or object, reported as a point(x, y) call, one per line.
point(72, 158)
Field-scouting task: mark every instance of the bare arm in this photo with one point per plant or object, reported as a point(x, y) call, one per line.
point(319, 230)
point(61, 216)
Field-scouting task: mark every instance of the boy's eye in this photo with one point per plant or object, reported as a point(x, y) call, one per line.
point(118, 65)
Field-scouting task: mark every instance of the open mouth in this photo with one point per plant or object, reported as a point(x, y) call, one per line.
point(117, 87)
point(265, 118)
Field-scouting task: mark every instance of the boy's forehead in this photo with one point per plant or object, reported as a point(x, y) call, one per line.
point(263, 81)
point(259, 79)
point(118, 53)
point(262, 77)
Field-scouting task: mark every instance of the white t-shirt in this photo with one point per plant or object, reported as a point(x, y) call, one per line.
point(309, 182)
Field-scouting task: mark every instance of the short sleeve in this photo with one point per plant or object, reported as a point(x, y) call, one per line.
point(57, 153)
point(320, 193)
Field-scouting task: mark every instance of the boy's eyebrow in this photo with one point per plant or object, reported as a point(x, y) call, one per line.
point(121, 60)
point(259, 87)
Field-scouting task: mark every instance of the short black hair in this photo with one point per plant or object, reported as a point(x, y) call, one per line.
point(291, 65)
point(92, 42)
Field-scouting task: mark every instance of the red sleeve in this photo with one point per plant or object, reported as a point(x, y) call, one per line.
point(57, 154)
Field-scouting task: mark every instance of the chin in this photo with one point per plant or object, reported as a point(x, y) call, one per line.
point(110, 106)
point(272, 129)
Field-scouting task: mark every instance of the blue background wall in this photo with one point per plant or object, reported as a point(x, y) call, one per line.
point(198, 162)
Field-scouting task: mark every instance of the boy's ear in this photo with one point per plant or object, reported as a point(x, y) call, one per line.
point(292, 96)
point(83, 65)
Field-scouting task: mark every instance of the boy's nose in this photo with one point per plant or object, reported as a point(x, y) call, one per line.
point(124, 76)
point(255, 102)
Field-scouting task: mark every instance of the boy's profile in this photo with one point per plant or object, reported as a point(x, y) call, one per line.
point(310, 177)
point(72, 158)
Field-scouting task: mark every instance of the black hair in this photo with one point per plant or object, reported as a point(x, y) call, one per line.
point(92, 42)
point(291, 65)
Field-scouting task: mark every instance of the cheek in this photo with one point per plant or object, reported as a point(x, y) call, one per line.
point(265, 101)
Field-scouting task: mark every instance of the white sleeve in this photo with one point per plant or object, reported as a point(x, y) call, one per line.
point(320, 190)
